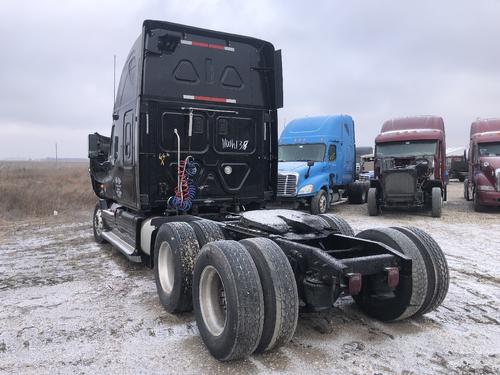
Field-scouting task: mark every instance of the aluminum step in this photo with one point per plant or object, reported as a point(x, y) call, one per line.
point(124, 247)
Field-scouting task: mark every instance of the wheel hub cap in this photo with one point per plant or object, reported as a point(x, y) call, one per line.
point(213, 301)
point(166, 270)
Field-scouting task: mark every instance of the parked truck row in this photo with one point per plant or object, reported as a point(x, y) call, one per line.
point(410, 168)
point(191, 161)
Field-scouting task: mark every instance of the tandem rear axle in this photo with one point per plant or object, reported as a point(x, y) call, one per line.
point(269, 264)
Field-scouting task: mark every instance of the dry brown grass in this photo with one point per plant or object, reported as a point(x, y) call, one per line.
point(38, 188)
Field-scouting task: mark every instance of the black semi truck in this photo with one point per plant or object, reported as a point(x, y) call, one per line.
point(182, 182)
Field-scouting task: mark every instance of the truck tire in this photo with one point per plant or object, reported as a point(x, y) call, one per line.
point(175, 251)
point(409, 296)
point(281, 300)
point(466, 190)
point(437, 202)
point(478, 207)
point(373, 209)
point(357, 193)
point(338, 224)
point(438, 276)
point(228, 300)
point(319, 203)
point(98, 225)
point(206, 231)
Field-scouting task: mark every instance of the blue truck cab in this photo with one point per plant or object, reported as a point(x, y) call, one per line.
point(317, 162)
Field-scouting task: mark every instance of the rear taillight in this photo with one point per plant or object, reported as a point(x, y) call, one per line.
point(354, 283)
point(392, 276)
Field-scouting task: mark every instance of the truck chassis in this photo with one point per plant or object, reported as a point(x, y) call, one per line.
point(248, 276)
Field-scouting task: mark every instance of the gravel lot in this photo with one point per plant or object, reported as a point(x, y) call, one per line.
point(68, 305)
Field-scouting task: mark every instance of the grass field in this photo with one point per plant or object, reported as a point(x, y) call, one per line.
point(38, 188)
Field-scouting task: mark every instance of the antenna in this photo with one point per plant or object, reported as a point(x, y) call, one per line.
point(114, 79)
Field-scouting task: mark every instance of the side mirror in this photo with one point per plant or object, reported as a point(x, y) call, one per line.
point(98, 145)
point(310, 163)
point(116, 116)
point(94, 145)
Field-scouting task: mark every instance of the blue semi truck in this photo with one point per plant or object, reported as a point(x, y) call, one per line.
point(317, 165)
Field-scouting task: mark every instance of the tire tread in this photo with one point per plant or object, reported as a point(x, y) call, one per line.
point(182, 240)
point(440, 268)
point(282, 280)
point(338, 224)
point(244, 277)
point(207, 231)
point(419, 273)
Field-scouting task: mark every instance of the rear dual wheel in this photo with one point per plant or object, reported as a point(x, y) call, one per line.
point(429, 279)
point(337, 224)
point(438, 277)
point(245, 297)
point(206, 231)
point(281, 300)
point(176, 247)
point(175, 250)
point(357, 193)
point(376, 299)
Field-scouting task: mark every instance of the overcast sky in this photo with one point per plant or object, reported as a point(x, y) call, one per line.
point(374, 60)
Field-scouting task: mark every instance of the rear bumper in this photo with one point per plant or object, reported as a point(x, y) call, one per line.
point(489, 198)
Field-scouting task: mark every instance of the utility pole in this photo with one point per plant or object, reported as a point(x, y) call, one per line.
point(56, 154)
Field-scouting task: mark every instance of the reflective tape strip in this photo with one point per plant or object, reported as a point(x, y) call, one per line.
point(209, 99)
point(207, 45)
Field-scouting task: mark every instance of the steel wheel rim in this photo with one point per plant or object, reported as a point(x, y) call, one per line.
point(166, 270)
point(98, 225)
point(322, 204)
point(212, 301)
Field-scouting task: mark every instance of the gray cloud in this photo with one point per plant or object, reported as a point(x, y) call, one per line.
point(371, 59)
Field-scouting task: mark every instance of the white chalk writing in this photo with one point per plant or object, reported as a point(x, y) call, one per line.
point(234, 144)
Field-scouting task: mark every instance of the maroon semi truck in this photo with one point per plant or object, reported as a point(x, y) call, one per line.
point(483, 182)
point(410, 164)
